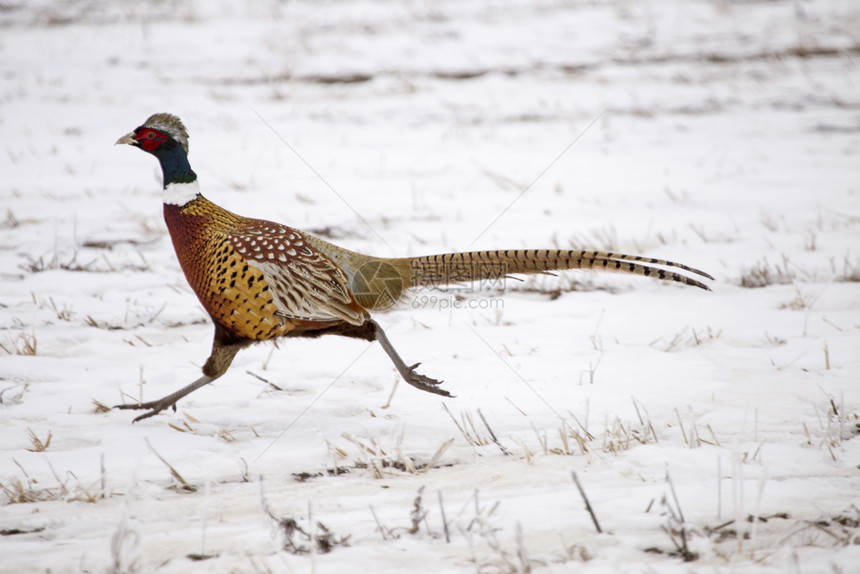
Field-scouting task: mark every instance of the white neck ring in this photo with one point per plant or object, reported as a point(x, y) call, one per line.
point(181, 193)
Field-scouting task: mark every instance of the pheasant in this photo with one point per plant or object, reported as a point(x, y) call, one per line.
point(260, 281)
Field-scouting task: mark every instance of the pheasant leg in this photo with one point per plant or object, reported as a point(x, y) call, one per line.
point(409, 375)
point(170, 400)
point(216, 365)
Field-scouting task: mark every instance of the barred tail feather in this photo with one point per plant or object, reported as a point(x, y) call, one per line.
point(492, 265)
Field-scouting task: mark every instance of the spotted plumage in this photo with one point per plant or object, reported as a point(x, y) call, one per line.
point(261, 280)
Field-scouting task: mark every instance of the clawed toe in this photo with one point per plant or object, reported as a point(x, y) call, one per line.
point(170, 400)
point(424, 382)
point(154, 408)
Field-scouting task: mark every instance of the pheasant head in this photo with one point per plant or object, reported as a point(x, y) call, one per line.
point(164, 136)
point(159, 130)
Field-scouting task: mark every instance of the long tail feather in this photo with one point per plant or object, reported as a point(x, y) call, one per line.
point(490, 265)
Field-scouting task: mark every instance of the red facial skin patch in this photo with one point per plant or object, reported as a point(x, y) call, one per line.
point(150, 139)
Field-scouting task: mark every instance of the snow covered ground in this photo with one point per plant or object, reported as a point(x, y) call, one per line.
point(710, 432)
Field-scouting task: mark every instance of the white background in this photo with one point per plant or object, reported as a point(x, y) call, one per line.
point(722, 134)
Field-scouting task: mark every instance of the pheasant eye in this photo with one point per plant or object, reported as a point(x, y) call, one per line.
point(150, 139)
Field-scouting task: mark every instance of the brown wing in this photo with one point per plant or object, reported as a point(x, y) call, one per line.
point(304, 283)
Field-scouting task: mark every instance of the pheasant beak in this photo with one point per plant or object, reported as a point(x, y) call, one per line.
point(127, 139)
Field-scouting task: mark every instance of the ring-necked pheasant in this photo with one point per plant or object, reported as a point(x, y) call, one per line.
point(260, 280)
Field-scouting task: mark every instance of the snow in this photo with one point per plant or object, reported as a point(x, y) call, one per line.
point(724, 135)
